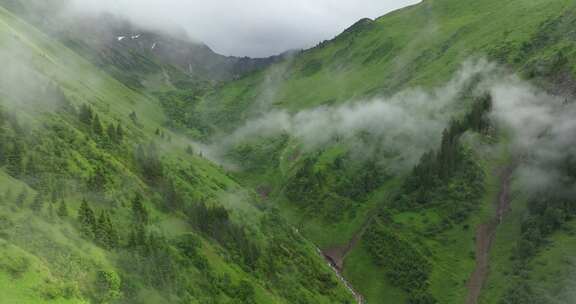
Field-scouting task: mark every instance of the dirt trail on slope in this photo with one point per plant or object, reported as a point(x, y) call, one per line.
point(485, 234)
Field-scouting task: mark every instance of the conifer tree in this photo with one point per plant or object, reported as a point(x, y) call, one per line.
point(62, 210)
point(153, 168)
point(139, 212)
point(111, 133)
point(97, 181)
point(8, 195)
point(137, 238)
point(172, 199)
point(97, 126)
point(53, 196)
point(134, 117)
point(85, 114)
point(14, 159)
point(113, 237)
point(119, 133)
point(101, 231)
point(51, 212)
point(86, 219)
point(22, 198)
point(37, 204)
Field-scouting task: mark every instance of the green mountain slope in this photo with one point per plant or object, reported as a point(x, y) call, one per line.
point(101, 204)
point(423, 45)
point(353, 207)
point(385, 147)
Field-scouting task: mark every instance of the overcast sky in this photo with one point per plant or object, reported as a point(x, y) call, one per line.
point(251, 27)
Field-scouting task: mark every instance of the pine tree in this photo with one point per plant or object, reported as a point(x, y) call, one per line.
point(137, 238)
point(53, 196)
point(62, 210)
point(85, 114)
point(153, 167)
point(172, 199)
point(37, 204)
point(149, 162)
point(111, 132)
point(22, 198)
point(132, 243)
point(119, 133)
point(51, 212)
point(113, 237)
point(15, 159)
point(97, 182)
point(101, 231)
point(134, 117)
point(8, 195)
point(87, 220)
point(139, 212)
point(97, 126)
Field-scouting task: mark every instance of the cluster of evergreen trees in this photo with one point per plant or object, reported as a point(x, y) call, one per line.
point(99, 229)
point(111, 134)
point(451, 163)
point(215, 222)
point(344, 180)
point(55, 208)
point(61, 159)
point(33, 156)
point(12, 143)
point(148, 160)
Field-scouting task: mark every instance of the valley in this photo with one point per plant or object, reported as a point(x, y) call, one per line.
point(422, 157)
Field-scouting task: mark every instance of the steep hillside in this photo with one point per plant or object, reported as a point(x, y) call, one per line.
point(427, 155)
point(101, 204)
point(423, 45)
point(139, 57)
point(314, 136)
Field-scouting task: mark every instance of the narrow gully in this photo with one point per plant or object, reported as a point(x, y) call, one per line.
point(485, 235)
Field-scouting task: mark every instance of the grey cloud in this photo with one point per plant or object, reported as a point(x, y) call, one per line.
point(248, 27)
point(542, 132)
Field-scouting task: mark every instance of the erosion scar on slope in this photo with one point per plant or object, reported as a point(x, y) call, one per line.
point(485, 234)
point(335, 257)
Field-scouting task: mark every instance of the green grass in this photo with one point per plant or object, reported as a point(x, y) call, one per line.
point(55, 248)
point(329, 234)
point(419, 46)
point(552, 270)
point(24, 279)
point(369, 279)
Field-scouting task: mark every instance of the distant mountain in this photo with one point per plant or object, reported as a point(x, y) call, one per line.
point(136, 55)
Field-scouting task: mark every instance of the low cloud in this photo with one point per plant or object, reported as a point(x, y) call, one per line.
point(403, 126)
point(540, 128)
point(249, 27)
point(542, 131)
